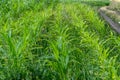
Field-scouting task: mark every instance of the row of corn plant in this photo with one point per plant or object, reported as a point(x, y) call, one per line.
point(52, 40)
point(100, 46)
point(71, 41)
point(16, 33)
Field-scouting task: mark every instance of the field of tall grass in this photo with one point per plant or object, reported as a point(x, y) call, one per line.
point(41, 40)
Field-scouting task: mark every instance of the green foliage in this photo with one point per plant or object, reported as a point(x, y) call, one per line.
point(45, 40)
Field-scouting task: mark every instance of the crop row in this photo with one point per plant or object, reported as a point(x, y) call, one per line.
point(60, 41)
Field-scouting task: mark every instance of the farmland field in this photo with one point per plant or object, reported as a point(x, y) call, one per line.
point(56, 40)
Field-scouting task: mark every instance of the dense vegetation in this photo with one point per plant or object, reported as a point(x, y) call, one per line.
point(41, 40)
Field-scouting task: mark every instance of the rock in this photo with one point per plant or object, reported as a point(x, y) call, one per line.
point(111, 14)
point(115, 5)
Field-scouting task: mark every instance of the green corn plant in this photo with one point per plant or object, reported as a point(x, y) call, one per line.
point(56, 40)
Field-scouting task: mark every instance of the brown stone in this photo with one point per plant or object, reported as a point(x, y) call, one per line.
point(115, 5)
point(111, 14)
